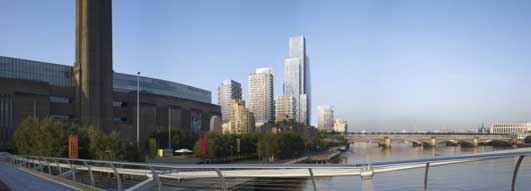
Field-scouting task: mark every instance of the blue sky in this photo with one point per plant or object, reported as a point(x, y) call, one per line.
point(385, 65)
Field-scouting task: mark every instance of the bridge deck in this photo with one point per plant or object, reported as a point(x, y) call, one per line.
point(19, 180)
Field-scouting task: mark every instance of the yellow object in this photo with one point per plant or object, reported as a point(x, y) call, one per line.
point(160, 152)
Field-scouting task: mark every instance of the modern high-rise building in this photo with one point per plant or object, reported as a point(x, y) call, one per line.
point(227, 91)
point(340, 126)
point(326, 118)
point(284, 108)
point(297, 79)
point(260, 95)
point(241, 119)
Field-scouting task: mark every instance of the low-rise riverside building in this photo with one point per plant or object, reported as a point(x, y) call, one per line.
point(40, 89)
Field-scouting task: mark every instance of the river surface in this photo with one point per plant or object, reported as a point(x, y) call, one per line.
point(481, 175)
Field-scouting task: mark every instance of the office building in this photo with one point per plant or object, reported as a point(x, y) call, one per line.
point(227, 91)
point(284, 108)
point(241, 120)
point(326, 118)
point(297, 79)
point(340, 126)
point(260, 95)
point(521, 130)
point(32, 88)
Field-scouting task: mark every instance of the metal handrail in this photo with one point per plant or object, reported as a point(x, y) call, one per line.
point(487, 155)
point(224, 171)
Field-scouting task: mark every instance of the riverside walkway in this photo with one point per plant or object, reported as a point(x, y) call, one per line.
point(16, 180)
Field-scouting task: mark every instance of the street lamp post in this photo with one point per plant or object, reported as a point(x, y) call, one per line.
point(138, 111)
point(169, 127)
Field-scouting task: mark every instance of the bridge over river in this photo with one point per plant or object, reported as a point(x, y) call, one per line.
point(386, 139)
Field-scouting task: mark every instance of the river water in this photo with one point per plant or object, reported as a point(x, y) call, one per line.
point(481, 175)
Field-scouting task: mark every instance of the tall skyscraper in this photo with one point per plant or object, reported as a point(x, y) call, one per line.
point(93, 64)
point(326, 118)
point(284, 108)
point(297, 79)
point(227, 91)
point(260, 95)
point(241, 119)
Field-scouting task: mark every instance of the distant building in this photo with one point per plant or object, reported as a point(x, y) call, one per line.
point(340, 126)
point(326, 118)
point(519, 129)
point(483, 129)
point(241, 119)
point(297, 79)
point(284, 108)
point(227, 91)
point(260, 95)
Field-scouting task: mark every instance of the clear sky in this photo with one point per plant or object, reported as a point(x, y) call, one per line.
point(384, 65)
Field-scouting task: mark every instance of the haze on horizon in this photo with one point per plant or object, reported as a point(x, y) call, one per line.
point(384, 65)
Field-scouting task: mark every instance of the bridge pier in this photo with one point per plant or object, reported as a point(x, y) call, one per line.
point(476, 141)
point(387, 142)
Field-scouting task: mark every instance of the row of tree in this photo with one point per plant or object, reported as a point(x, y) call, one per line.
point(265, 146)
point(48, 137)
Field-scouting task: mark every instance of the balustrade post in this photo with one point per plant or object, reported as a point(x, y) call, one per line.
point(366, 175)
point(313, 179)
point(515, 173)
point(92, 183)
point(156, 177)
point(73, 169)
point(118, 179)
point(426, 176)
point(222, 179)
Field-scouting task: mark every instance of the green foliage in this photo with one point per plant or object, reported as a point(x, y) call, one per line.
point(527, 139)
point(219, 146)
point(49, 137)
point(268, 147)
point(104, 146)
point(180, 138)
point(41, 138)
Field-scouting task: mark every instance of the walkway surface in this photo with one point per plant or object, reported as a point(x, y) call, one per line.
point(18, 180)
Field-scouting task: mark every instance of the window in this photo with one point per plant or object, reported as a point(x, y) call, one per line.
point(119, 104)
point(59, 99)
point(119, 119)
point(59, 117)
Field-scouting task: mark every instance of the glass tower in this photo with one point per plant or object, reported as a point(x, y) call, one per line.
point(297, 78)
point(260, 95)
point(227, 91)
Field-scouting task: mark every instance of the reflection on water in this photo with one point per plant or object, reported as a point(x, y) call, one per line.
point(481, 175)
point(493, 174)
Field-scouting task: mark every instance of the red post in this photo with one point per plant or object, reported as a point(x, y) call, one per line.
point(204, 146)
point(72, 147)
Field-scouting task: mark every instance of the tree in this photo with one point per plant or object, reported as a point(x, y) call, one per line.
point(104, 146)
point(41, 138)
point(527, 139)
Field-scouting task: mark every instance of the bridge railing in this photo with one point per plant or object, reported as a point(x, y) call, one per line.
point(115, 175)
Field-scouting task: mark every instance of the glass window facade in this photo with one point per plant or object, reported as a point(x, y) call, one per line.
point(196, 120)
point(57, 75)
point(127, 83)
point(60, 75)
